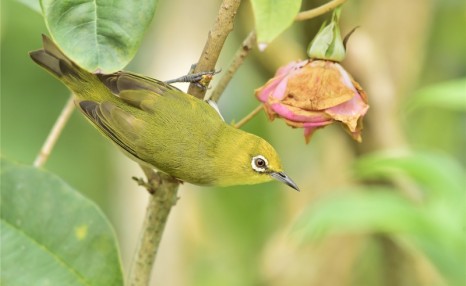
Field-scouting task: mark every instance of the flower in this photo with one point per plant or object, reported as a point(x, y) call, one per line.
point(317, 92)
point(312, 94)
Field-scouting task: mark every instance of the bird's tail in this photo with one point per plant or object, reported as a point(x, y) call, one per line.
point(55, 61)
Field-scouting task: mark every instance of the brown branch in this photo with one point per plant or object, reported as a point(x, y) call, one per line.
point(164, 187)
point(217, 35)
point(164, 190)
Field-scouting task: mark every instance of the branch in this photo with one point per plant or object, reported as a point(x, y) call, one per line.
point(55, 133)
point(327, 7)
point(217, 35)
point(249, 116)
point(164, 187)
point(164, 190)
point(237, 61)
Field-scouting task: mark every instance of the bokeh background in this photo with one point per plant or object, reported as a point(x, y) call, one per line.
point(265, 234)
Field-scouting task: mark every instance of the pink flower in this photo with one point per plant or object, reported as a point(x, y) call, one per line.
point(313, 94)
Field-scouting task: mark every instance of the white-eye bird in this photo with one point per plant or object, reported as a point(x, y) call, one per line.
point(158, 125)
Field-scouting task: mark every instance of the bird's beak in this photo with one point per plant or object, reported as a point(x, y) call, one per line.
point(282, 177)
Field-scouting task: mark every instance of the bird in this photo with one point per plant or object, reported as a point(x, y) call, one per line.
point(162, 127)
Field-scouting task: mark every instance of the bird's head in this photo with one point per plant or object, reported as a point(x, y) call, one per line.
point(253, 160)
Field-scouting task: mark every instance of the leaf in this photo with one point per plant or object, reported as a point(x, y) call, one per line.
point(272, 18)
point(33, 4)
point(434, 225)
point(449, 95)
point(375, 210)
point(99, 35)
point(442, 181)
point(50, 234)
point(364, 210)
point(438, 173)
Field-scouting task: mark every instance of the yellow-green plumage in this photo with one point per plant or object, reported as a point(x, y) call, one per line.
point(159, 125)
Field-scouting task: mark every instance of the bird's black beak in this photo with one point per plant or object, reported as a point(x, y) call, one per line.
point(282, 177)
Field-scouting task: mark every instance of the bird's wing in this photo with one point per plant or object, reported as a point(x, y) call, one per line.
point(133, 89)
point(123, 128)
point(145, 93)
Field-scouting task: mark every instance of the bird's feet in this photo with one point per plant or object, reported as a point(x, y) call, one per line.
point(200, 79)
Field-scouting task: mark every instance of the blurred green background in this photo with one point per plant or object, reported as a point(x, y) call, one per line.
point(362, 218)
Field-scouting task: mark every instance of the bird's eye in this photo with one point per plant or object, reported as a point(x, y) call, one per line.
point(259, 163)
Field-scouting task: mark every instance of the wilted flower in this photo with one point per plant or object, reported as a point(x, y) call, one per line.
point(314, 93)
point(317, 92)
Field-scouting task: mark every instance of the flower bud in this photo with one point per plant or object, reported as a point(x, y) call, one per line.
point(312, 94)
point(327, 44)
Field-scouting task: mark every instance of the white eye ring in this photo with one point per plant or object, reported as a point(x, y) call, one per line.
point(257, 159)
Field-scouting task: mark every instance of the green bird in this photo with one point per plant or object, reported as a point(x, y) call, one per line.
point(160, 126)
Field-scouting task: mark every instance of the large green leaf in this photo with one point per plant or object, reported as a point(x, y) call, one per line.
point(273, 17)
point(99, 35)
point(50, 234)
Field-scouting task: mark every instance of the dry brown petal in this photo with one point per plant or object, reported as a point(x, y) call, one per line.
point(361, 92)
point(317, 86)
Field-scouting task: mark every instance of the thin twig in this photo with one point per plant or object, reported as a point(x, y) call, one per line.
point(312, 13)
point(55, 133)
point(249, 116)
point(217, 35)
point(164, 197)
point(238, 59)
point(250, 40)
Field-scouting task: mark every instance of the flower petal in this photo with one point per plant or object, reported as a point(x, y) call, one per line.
point(284, 70)
point(266, 90)
point(299, 115)
point(317, 86)
point(309, 131)
point(349, 112)
point(275, 86)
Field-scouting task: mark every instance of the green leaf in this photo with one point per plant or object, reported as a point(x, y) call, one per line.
point(364, 210)
point(272, 18)
point(50, 234)
point(438, 174)
point(375, 210)
point(99, 35)
point(449, 95)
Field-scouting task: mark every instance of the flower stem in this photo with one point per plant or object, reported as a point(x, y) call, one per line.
point(312, 13)
point(55, 133)
point(249, 116)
